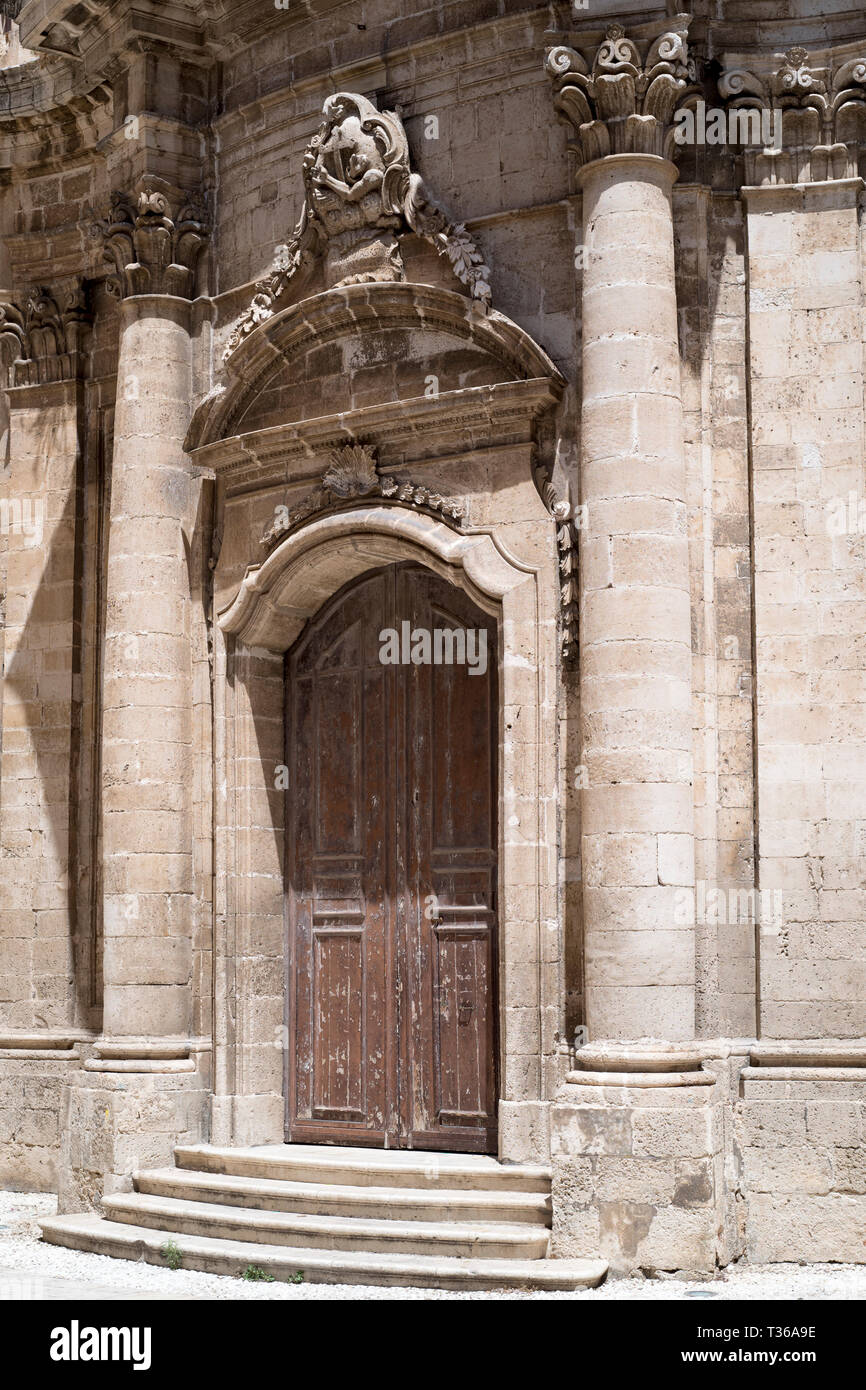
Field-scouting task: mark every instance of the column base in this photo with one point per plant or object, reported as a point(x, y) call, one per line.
point(638, 1167)
point(114, 1123)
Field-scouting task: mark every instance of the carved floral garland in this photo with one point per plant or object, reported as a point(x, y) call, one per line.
point(352, 473)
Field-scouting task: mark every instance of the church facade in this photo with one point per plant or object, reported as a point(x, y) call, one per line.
point(433, 555)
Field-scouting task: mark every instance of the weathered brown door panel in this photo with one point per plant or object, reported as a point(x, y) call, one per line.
point(392, 877)
point(447, 915)
point(338, 900)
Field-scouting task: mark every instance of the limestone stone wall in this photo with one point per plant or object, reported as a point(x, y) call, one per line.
point(799, 1127)
point(711, 290)
point(664, 427)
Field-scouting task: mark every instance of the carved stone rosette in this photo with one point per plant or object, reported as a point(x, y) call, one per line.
point(620, 95)
point(360, 192)
point(822, 110)
point(353, 473)
point(41, 342)
point(152, 248)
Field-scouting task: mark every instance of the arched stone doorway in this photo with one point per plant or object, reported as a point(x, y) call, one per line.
point(392, 725)
point(271, 609)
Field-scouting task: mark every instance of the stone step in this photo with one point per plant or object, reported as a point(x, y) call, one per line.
point(359, 1167)
point(464, 1240)
point(213, 1256)
point(333, 1199)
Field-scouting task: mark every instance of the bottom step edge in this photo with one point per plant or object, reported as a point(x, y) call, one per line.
point(209, 1255)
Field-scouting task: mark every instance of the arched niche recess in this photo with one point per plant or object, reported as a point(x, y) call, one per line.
point(332, 457)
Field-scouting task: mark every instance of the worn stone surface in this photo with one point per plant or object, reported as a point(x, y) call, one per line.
point(646, 457)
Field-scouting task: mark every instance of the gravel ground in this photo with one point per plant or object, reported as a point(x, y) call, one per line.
point(31, 1269)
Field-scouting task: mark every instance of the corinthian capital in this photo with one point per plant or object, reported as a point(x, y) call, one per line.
point(42, 339)
point(152, 242)
point(619, 93)
point(818, 110)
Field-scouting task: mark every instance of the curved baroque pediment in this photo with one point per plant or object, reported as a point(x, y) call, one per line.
point(308, 360)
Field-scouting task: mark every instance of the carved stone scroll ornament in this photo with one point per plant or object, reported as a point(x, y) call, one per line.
point(353, 473)
point(151, 248)
point(822, 116)
point(360, 192)
point(620, 96)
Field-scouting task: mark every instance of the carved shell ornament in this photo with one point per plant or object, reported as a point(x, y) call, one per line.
point(353, 472)
point(358, 181)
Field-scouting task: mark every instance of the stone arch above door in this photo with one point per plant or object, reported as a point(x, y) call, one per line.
point(276, 599)
point(390, 337)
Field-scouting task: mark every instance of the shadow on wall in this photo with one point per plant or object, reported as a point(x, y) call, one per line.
point(46, 861)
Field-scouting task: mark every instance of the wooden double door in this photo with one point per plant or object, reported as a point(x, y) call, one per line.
point(391, 869)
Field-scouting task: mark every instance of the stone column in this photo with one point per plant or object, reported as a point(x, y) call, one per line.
point(142, 1093)
point(637, 830)
point(147, 708)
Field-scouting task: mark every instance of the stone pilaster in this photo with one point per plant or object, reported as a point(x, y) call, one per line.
point(805, 278)
point(40, 537)
point(812, 109)
point(799, 1120)
point(637, 822)
point(45, 943)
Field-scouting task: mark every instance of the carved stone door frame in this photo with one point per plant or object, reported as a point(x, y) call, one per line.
point(269, 611)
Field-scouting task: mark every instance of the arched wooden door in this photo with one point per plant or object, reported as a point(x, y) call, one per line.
point(391, 869)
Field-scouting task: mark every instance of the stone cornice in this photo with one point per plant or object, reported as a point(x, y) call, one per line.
point(373, 307)
point(619, 91)
point(416, 430)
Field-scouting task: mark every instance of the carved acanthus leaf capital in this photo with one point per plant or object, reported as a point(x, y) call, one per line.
point(41, 339)
point(620, 94)
point(818, 110)
point(152, 241)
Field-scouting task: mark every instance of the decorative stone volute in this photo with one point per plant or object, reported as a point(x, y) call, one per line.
point(152, 242)
point(360, 192)
point(620, 94)
point(820, 107)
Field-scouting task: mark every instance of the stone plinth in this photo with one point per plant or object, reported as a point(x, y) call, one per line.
point(800, 1126)
point(638, 1161)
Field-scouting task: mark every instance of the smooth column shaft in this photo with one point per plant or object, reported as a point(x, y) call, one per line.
point(147, 710)
point(635, 621)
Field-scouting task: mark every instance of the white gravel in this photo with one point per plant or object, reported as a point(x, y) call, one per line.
point(31, 1269)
